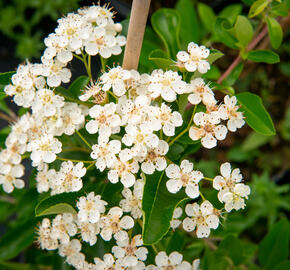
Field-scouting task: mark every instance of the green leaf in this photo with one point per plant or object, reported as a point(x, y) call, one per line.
point(78, 84)
point(214, 55)
point(189, 30)
point(274, 247)
point(166, 23)
point(258, 7)
point(256, 115)
point(17, 239)
point(232, 247)
point(175, 151)
point(207, 16)
point(275, 32)
point(160, 58)
point(243, 31)
point(231, 12)
point(55, 204)
point(263, 56)
point(283, 265)
point(279, 9)
point(254, 141)
point(5, 78)
point(224, 33)
point(59, 208)
point(16, 266)
point(156, 200)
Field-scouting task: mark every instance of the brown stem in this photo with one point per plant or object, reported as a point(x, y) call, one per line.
point(137, 24)
point(238, 59)
point(6, 117)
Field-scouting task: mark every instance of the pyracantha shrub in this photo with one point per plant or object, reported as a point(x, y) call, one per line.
point(126, 125)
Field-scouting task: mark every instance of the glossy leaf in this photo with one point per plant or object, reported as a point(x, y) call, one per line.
point(5, 78)
point(234, 75)
point(54, 204)
point(243, 31)
point(279, 9)
point(214, 55)
point(78, 85)
point(275, 32)
point(158, 205)
point(189, 30)
point(161, 60)
point(283, 265)
point(258, 7)
point(274, 248)
point(17, 239)
point(166, 23)
point(231, 12)
point(255, 114)
point(207, 16)
point(263, 56)
point(224, 33)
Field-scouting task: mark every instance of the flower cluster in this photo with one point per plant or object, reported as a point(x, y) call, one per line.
point(129, 123)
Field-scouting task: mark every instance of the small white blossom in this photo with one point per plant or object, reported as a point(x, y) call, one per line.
point(10, 179)
point(132, 201)
point(44, 178)
point(175, 222)
point(44, 149)
point(200, 91)
point(44, 239)
point(108, 263)
point(63, 226)
point(105, 120)
point(231, 191)
point(123, 170)
point(113, 224)
point(164, 118)
point(129, 253)
point(155, 158)
point(90, 208)
point(229, 111)
point(209, 130)
point(194, 59)
point(89, 231)
point(203, 218)
point(105, 153)
point(183, 176)
point(166, 84)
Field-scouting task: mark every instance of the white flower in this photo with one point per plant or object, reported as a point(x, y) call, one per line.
point(229, 111)
point(44, 239)
point(108, 263)
point(24, 82)
point(113, 224)
point(56, 72)
point(175, 222)
point(183, 176)
point(46, 102)
point(63, 226)
point(44, 177)
point(141, 138)
point(95, 14)
point(196, 264)
point(72, 118)
point(155, 158)
point(10, 179)
point(44, 149)
point(68, 179)
point(12, 154)
point(200, 91)
point(203, 217)
point(114, 79)
point(132, 201)
point(89, 231)
point(105, 153)
point(123, 170)
point(166, 84)
point(209, 130)
point(194, 59)
point(105, 120)
point(72, 253)
point(164, 118)
point(129, 253)
point(94, 89)
point(231, 191)
point(173, 261)
point(90, 208)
